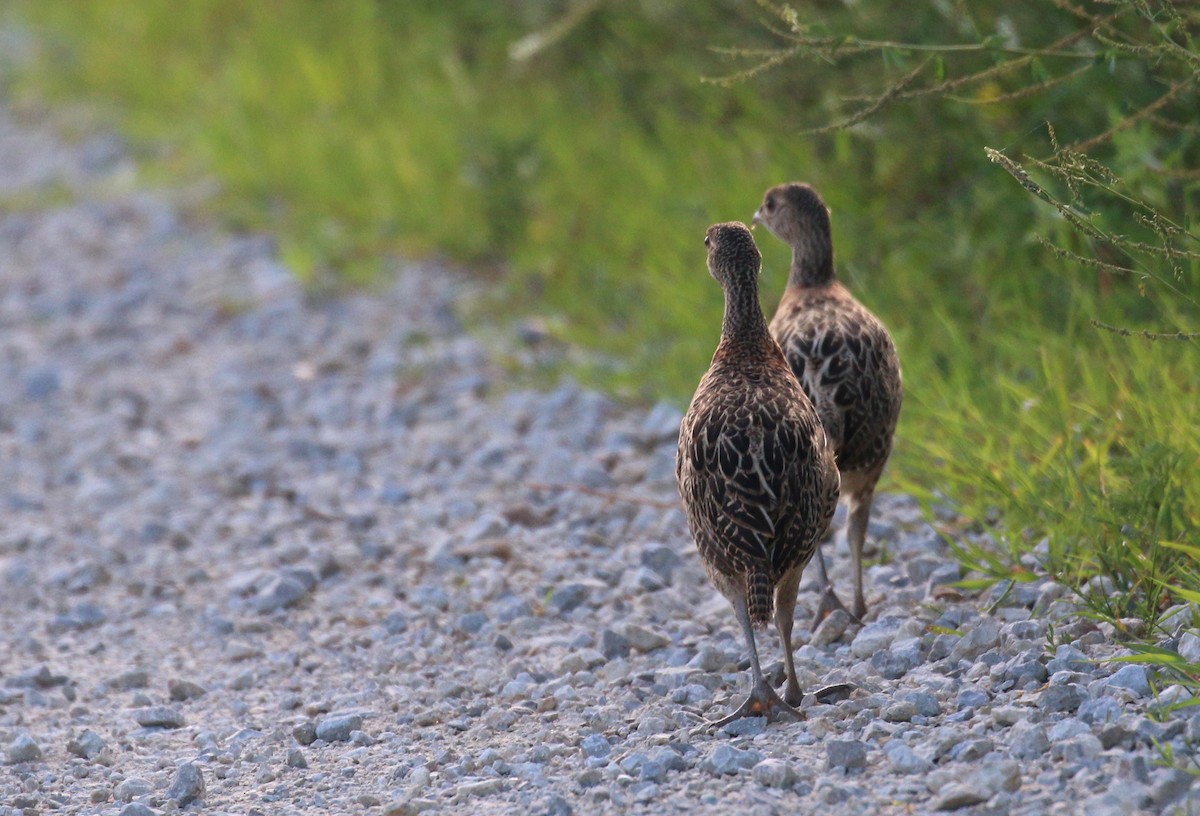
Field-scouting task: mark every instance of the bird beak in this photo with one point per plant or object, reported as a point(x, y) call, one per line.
point(757, 219)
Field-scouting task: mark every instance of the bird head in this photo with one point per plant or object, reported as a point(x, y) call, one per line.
point(794, 214)
point(732, 253)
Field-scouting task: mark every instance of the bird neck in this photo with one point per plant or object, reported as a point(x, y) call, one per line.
point(743, 312)
point(812, 262)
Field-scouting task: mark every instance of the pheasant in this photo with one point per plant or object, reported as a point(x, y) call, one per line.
point(844, 359)
point(757, 477)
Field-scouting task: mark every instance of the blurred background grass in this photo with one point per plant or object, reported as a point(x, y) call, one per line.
point(570, 153)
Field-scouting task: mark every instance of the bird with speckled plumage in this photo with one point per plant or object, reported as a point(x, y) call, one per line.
point(757, 477)
point(844, 358)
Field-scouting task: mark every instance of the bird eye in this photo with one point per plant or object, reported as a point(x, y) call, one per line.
point(770, 204)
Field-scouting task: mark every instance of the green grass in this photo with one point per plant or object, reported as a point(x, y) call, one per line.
point(582, 180)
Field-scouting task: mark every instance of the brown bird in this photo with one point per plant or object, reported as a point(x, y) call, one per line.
point(845, 361)
point(758, 480)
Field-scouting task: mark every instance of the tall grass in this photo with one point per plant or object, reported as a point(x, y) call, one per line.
point(581, 177)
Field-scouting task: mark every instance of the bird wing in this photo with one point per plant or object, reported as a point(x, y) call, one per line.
point(744, 465)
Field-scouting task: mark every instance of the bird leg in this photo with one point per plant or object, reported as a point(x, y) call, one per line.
point(856, 534)
point(785, 612)
point(829, 599)
point(763, 700)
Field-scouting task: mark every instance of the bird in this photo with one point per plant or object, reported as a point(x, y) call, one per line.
point(757, 476)
point(845, 360)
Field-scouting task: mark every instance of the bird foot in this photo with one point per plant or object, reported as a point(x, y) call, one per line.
point(830, 602)
point(763, 702)
point(834, 693)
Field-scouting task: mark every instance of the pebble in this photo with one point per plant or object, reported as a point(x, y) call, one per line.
point(22, 749)
point(726, 759)
point(1060, 698)
point(133, 787)
point(832, 628)
point(1132, 677)
point(774, 773)
point(183, 690)
point(338, 727)
point(848, 754)
point(159, 717)
point(188, 785)
point(138, 809)
point(1028, 740)
point(87, 745)
point(642, 639)
point(904, 760)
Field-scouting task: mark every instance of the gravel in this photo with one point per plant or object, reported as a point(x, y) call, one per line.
point(266, 551)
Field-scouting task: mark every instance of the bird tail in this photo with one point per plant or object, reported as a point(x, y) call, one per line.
point(760, 597)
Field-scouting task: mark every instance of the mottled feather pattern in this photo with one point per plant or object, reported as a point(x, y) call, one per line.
point(758, 478)
point(847, 364)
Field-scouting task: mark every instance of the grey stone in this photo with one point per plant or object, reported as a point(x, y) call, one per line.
point(708, 659)
point(972, 698)
point(395, 623)
point(1080, 748)
point(133, 787)
point(472, 622)
point(971, 750)
point(662, 559)
point(138, 809)
point(159, 717)
point(832, 628)
point(958, 795)
point(896, 661)
point(87, 745)
point(613, 645)
point(1189, 647)
point(83, 616)
point(923, 702)
point(902, 711)
point(996, 776)
point(42, 382)
point(670, 759)
point(726, 759)
point(569, 596)
point(305, 733)
point(22, 749)
point(595, 745)
point(661, 425)
point(1168, 785)
point(1028, 740)
point(746, 727)
point(188, 785)
point(642, 639)
point(338, 727)
point(1061, 698)
point(280, 592)
point(132, 679)
point(295, 758)
point(981, 637)
point(904, 760)
point(848, 754)
point(183, 690)
point(1067, 658)
point(874, 636)
point(1133, 678)
point(774, 773)
point(1100, 710)
point(1065, 729)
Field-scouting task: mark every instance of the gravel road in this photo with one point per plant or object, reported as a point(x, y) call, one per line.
point(263, 554)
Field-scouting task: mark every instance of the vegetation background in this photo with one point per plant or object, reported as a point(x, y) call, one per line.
point(573, 152)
